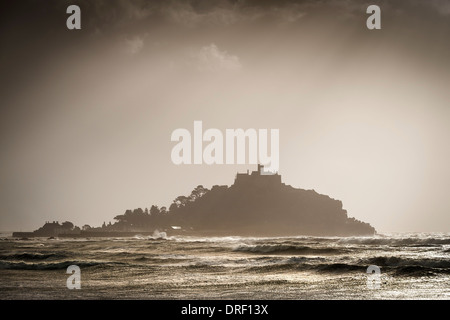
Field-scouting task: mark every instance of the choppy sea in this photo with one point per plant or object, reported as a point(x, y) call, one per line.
point(412, 266)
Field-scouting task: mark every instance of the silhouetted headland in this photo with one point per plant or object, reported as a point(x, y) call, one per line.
point(255, 205)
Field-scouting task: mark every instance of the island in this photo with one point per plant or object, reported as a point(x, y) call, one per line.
point(257, 204)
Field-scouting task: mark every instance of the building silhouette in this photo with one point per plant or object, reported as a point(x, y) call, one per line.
point(258, 177)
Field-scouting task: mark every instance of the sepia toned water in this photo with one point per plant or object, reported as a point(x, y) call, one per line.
point(413, 266)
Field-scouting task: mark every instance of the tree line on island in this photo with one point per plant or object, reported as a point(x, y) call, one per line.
point(148, 219)
point(137, 220)
point(255, 205)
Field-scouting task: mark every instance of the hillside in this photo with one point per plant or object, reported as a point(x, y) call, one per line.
point(261, 205)
point(255, 205)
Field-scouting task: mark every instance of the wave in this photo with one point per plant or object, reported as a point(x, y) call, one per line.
point(395, 242)
point(420, 271)
point(404, 262)
point(32, 256)
point(339, 267)
point(280, 265)
point(277, 268)
point(7, 265)
point(157, 235)
point(306, 265)
point(160, 260)
point(393, 265)
point(287, 249)
point(204, 267)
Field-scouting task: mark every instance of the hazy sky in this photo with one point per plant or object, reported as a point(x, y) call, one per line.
point(86, 115)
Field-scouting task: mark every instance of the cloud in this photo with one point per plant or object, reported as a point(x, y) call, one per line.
point(184, 13)
point(288, 14)
point(225, 13)
point(211, 58)
point(133, 46)
point(109, 16)
point(442, 6)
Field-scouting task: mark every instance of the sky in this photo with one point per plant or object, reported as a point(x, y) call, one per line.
point(86, 115)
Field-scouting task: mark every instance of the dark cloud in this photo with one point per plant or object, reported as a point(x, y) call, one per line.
point(47, 18)
point(33, 33)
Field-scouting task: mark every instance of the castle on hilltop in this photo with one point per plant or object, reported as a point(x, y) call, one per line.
point(259, 177)
point(257, 204)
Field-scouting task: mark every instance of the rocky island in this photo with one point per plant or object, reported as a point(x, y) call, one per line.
point(257, 204)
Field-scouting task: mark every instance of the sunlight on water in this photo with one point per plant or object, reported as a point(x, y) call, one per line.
point(413, 266)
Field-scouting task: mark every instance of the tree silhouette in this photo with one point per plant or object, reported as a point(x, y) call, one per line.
point(181, 201)
point(154, 210)
point(198, 192)
point(173, 207)
point(67, 225)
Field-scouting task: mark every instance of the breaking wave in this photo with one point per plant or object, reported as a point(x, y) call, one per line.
point(7, 265)
point(404, 262)
point(32, 256)
point(420, 271)
point(408, 241)
point(287, 249)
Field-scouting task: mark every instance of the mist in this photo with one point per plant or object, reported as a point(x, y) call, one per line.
point(87, 115)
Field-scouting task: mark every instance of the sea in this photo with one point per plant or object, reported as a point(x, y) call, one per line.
point(385, 266)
